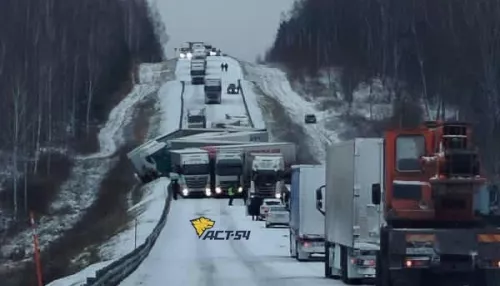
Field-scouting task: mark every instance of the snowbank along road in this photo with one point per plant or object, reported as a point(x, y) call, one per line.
point(180, 257)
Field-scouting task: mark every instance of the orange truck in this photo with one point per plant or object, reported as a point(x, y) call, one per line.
point(432, 235)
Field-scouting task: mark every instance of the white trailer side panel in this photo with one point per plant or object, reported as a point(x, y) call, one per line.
point(352, 167)
point(311, 221)
point(368, 170)
point(339, 192)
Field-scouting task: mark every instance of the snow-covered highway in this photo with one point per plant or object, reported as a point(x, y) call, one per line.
point(179, 257)
point(194, 94)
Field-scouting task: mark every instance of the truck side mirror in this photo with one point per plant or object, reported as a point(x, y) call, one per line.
point(319, 200)
point(376, 194)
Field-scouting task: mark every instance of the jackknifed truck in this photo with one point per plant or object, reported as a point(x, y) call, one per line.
point(306, 224)
point(352, 222)
point(209, 161)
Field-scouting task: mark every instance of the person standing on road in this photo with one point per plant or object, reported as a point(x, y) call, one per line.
point(226, 66)
point(222, 67)
point(244, 196)
point(175, 188)
point(230, 192)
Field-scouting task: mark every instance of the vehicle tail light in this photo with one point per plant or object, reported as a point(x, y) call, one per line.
point(416, 262)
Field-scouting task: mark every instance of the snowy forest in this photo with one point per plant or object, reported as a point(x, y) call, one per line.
point(444, 53)
point(63, 66)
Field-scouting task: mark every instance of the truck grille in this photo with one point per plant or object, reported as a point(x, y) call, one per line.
point(196, 183)
point(265, 191)
point(225, 185)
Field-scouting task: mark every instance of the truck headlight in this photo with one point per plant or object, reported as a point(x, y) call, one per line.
point(208, 192)
point(182, 55)
point(185, 192)
point(189, 55)
point(240, 190)
point(218, 190)
point(278, 196)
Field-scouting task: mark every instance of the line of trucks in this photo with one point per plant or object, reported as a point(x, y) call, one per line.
point(397, 211)
point(208, 161)
point(213, 84)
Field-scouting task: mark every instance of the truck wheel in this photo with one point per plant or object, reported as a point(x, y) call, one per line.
point(298, 255)
point(344, 275)
point(292, 251)
point(328, 270)
point(378, 272)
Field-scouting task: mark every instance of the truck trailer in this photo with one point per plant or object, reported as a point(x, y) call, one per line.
point(432, 235)
point(352, 222)
point(306, 224)
point(198, 71)
point(213, 90)
point(147, 161)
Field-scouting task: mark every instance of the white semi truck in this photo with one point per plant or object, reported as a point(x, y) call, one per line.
point(196, 118)
point(267, 175)
point(213, 90)
point(306, 224)
point(352, 222)
point(228, 170)
point(198, 71)
point(192, 166)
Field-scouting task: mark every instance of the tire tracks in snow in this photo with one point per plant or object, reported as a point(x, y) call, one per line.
point(265, 275)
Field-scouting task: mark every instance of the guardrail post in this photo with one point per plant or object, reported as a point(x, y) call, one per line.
point(135, 234)
point(38, 263)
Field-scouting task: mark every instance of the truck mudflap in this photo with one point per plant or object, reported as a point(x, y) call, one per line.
point(460, 249)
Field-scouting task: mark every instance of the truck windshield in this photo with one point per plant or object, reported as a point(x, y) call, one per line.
point(409, 149)
point(229, 170)
point(196, 169)
point(196, 118)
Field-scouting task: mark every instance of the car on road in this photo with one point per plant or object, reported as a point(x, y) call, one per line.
point(266, 204)
point(233, 89)
point(277, 215)
point(310, 119)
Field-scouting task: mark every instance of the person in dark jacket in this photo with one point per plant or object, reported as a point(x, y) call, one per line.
point(255, 208)
point(222, 67)
point(244, 196)
point(226, 66)
point(175, 188)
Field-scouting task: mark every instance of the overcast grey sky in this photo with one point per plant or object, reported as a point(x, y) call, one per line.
point(242, 28)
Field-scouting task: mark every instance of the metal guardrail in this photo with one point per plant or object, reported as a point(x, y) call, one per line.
point(120, 269)
point(245, 104)
point(182, 104)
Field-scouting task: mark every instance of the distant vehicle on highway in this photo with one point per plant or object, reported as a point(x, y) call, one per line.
point(310, 119)
point(233, 89)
